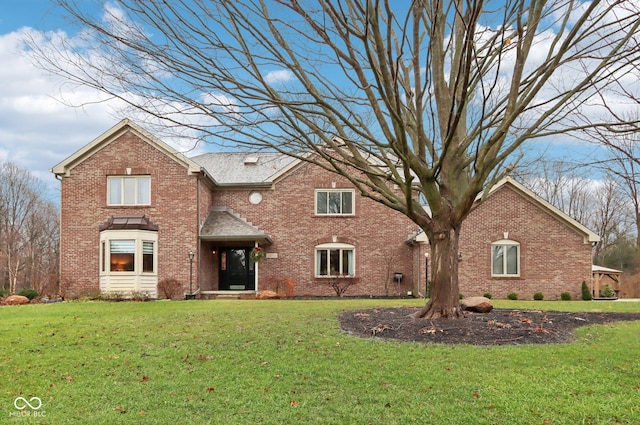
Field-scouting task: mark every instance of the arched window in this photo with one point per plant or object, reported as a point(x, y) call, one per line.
point(335, 259)
point(505, 258)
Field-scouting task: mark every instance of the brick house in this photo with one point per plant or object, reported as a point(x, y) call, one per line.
point(514, 241)
point(135, 212)
point(133, 209)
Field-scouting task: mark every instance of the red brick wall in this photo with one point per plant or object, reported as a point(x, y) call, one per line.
point(84, 207)
point(287, 214)
point(554, 257)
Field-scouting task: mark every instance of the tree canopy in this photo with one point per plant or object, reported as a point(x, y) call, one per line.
point(433, 97)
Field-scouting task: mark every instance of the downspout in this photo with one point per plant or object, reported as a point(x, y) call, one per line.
point(60, 233)
point(199, 251)
point(255, 271)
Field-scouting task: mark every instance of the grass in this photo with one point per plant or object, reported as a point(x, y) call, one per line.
point(287, 362)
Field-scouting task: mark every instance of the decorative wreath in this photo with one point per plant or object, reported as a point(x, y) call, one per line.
point(256, 254)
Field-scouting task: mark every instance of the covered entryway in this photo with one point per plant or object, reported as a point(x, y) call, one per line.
point(227, 240)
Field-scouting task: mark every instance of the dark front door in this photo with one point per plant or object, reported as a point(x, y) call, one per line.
point(237, 272)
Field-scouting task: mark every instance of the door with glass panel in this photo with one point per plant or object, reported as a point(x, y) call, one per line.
point(237, 271)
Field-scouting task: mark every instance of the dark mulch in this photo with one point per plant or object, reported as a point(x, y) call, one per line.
point(500, 327)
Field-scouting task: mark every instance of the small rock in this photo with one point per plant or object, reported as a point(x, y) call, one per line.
point(16, 300)
point(267, 295)
point(477, 304)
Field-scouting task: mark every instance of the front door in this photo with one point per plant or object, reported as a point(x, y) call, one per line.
point(237, 271)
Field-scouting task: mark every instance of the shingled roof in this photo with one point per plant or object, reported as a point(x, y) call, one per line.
point(223, 224)
point(242, 168)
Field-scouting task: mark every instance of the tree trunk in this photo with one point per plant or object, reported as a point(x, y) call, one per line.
point(445, 296)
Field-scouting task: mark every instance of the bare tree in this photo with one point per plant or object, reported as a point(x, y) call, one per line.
point(28, 230)
point(583, 193)
point(432, 97)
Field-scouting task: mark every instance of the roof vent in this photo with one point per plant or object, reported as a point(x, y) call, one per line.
point(251, 160)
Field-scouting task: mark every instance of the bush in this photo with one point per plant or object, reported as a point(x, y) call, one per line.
point(460, 296)
point(29, 293)
point(487, 295)
point(538, 296)
point(607, 292)
point(586, 293)
point(169, 288)
point(512, 296)
point(3, 293)
point(565, 296)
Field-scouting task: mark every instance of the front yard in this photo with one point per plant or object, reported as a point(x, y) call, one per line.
point(279, 362)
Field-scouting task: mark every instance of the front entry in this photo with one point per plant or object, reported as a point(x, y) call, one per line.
point(237, 271)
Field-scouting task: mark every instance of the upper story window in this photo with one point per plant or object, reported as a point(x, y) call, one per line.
point(505, 258)
point(129, 190)
point(334, 202)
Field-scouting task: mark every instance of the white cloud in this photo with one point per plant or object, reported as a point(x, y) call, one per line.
point(38, 128)
point(280, 76)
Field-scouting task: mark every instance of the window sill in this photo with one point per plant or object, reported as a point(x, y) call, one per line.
point(337, 277)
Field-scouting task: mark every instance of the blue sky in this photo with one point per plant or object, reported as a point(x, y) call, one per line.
point(36, 130)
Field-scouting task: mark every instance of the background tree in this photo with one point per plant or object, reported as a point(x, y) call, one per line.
point(28, 231)
point(589, 196)
point(430, 97)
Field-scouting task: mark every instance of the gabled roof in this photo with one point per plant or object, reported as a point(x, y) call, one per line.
point(223, 224)
point(246, 168)
point(64, 167)
point(589, 236)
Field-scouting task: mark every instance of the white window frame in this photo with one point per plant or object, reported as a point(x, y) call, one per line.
point(341, 247)
point(113, 181)
point(139, 237)
point(340, 191)
point(505, 244)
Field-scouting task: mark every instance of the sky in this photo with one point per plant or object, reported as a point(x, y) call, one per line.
point(37, 130)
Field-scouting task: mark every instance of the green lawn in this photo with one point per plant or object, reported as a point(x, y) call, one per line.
point(287, 362)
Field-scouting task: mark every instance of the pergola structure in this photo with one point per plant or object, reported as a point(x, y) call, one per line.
point(603, 276)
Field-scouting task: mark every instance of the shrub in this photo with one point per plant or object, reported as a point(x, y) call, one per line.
point(487, 295)
point(340, 284)
point(29, 293)
point(512, 296)
point(3, 293)
point(169, 288)
point(538, 296)
point(586, 293)
point(565, 296)
point(607, 292)
point(289, 286)
point(460, 296)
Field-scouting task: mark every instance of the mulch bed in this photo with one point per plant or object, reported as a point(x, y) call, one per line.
point(499, 327)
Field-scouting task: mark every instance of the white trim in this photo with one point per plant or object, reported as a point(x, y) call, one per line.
point(122, 178)
point(132, 281)
point(506, 243)
point(589, 236)
point(341, 214)
point(334, 246)
point(64, 168)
